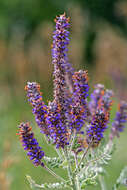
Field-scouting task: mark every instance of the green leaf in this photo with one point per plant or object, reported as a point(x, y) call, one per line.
point(45, 186)
point(32, 183)
point(87, 182)
point(54, 162)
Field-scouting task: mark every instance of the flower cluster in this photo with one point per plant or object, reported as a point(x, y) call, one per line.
point(97, 128)
point(69, 114)
point(96, 96)
point(57, 125)
point(30, 144)
point(79, 105)
point(121, 118)
point(100, 105)
point(107, 100)
point(39, 108)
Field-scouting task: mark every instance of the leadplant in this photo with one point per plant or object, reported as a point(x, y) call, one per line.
point(71, 124)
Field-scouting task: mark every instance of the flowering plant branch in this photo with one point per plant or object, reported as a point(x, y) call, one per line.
point(72, 124)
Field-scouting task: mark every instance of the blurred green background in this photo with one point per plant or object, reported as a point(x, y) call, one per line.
point(98, 44)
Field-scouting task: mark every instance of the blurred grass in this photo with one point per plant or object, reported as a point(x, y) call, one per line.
point(18, 110)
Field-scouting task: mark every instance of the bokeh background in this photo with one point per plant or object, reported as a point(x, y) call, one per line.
point(98, 43)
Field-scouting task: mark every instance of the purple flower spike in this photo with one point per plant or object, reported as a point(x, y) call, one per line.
point(107, 99)
point(97, 128)
point(121, 118)
point(95, 97)
point(57, 125)
point(59, 53)
point(100, 98)
point(39, 108)
point(100, 104)
point(78, 111)
point(81, 86)
point(62, 69)
point(62, 76)
point(30, 144)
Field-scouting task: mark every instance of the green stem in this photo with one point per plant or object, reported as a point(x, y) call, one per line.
point(77, 177)
point(73, 140)
point(84, 155)
point(59, 153)
point(77, 183)
point(54, 174)
point(102, 183)
point(76, 162)
point(70, 173)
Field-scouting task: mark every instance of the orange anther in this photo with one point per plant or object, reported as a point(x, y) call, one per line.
point(26, 88)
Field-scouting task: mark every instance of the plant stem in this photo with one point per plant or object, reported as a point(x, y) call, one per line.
point(102, 182)
point(70, 173)
point(59, 154)
point(84, 154)
point(54, 174)
point(77, 183)
point(77, 168)
point(73, 140)
point(76, 161)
